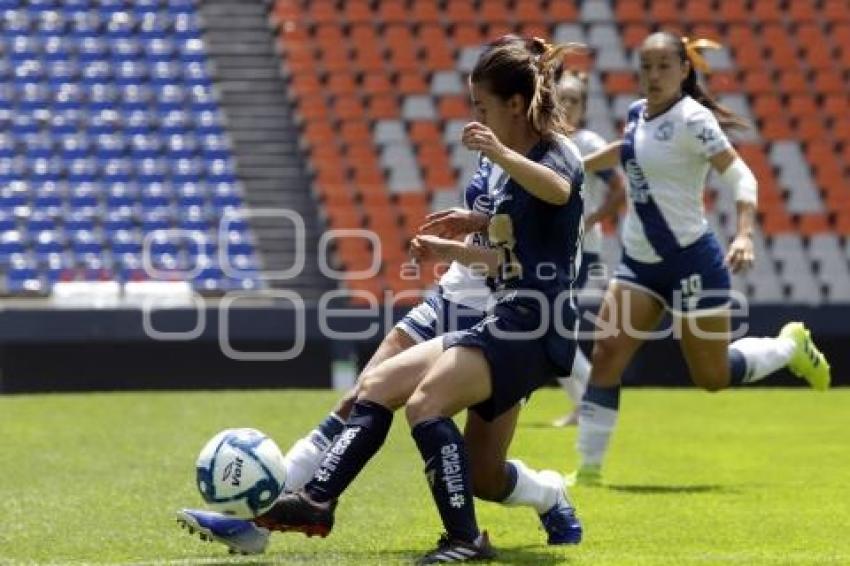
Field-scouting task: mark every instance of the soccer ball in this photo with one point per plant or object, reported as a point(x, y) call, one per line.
point(240, 472)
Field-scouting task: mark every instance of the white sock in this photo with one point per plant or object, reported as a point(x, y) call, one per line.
point(763, 355)
point(301, 462)
point(576, 382)
point(595, 426)
point(532, 489)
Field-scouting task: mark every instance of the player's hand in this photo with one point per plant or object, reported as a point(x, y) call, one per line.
point(453, 223)
point(741, 255)
point(478, 137)
point(425, 247)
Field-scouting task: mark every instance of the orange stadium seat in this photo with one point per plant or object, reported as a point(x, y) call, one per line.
point(633, 34)
point(383, 106)
point(393, 11)
point(533, 12)
point(768, 105)
point(322, 12)
point(803, 106)
point(732, 11)
point(811, 224)
point(438, 56)
point(810, 129)
point(411, 82)
point(793, 82)
point(305, 84)
point(402, 57)
point(759, 82)
point(666, 14)
point(835, 104)
point(341, 84)
point(768, 11)
point(628, 11)
point(461, 12)
point(620, 82)
point(425, 12)
point(285, 11)
point(376, 83)
point(802, 10)
point(356, 131)
point(777, 128)
point(561, 12)
point(315, 108)
point(368, 59)
point(367, 174)
point(424, 132)
point(495, 12)
point(692, 11)
point(348, 108)
point(468, 35)
point(829, 82)
point(319, 132)
point(357, 12)
point(836, 11)
point(723, 81)
point(454, 107)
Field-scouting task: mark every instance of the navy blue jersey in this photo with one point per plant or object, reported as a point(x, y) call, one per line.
point(540, 242)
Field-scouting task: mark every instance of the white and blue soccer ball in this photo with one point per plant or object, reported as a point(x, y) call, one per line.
point(240, 472)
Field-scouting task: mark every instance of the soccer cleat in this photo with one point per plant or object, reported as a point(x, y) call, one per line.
point(807, 362)
point(453, 550)
point(570, 419)
point(296, 512)
point(560, 522)
point(238, 535)
point(588, 475)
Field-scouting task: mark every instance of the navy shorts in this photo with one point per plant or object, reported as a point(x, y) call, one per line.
point(691, 280)
point(519, 365)
point(435, 316)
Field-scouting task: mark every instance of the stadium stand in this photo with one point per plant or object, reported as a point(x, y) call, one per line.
point(111, 139)
point(380, 90)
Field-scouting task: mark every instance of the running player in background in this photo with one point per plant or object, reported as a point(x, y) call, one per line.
point(671, 260)
point(604, 194)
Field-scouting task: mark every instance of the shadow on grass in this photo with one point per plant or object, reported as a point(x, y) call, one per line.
point(643, 489)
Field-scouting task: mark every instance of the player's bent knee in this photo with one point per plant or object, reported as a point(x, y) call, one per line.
point(486, 485)
point(606, 364)
point(375, 387)
point(421, 407)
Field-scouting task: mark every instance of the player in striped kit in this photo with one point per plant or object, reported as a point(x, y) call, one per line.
point(604, 194)
point(671, 260)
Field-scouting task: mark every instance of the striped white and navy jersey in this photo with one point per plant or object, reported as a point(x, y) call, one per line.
point(666, 160)
point(595, 187)
point(459, 284)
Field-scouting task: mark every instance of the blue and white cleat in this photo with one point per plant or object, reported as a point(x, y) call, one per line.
point(560, 522)
point(238, 535)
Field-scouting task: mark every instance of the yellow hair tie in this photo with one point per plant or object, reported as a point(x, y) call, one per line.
point(692, 47)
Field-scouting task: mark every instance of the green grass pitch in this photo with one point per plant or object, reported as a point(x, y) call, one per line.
point(742, 477)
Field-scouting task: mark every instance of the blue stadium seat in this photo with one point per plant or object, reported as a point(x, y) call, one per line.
point(125, 242)
point(80, 220)
point(47, 243)
point(39, 221)
point(119, 217)
point(191, 193)
point(23, 277)
point(7, 221)
point(155, 195)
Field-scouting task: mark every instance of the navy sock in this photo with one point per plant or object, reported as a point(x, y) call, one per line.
point(447, 469)
point(327, 431)
point(364, 433)
point(608, 397)
point(737, 367)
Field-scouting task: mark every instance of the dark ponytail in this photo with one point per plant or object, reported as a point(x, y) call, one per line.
point(693, 88)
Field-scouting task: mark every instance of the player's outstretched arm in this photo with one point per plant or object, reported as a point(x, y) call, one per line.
point(606, 158)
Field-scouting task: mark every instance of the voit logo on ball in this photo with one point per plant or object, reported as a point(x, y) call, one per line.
point(234, 467)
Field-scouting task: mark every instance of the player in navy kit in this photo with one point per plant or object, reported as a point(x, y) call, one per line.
point(526, 338)
point(671, 260)
point(459, 303)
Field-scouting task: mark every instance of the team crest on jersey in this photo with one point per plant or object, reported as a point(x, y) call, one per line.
point(483, 203)
point(664, 131)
